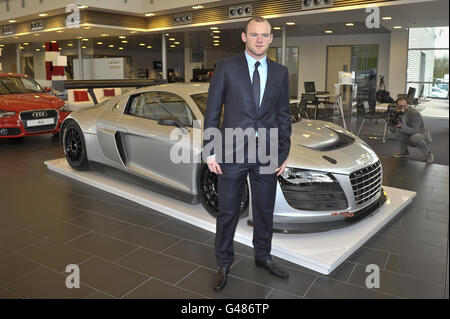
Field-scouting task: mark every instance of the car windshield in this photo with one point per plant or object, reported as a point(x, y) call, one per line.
point(17, 85)
point(200, 100)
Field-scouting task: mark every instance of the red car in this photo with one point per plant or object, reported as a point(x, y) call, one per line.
point(28, 109)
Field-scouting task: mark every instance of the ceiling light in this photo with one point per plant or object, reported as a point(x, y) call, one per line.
point(60, 49)
point(99, 42)
point(133, 31)
point(86, 28)
point(43, 46)
point(397, 27)
point(85, 40)
point(149, 14)
point(21, 48)
point(38, 49)
point(149, 46)
point(53, 41)
point(83, 47)
point(216, 44)
point(197, 7)
point(214, 28)
point(122, 37)
point(350, 24)
point(216, 37)
point(216, 41)
point(124, 41)
point(290, 23)
point(386, 18)
point(328, 31)
point(79, 37)
point(172, 46)
point(171, 39)
point(43, 14)
point(167, 34)
point(26, 43)
point(176, 42)
point(277, 28)
point(12, 21)
point(216, 31)
point(36, 34)
point(111, 45)
point(142, 44)
point(2, 45)
point(82, 6)
point(104, 34)
point(120, 48)
point(70, 44)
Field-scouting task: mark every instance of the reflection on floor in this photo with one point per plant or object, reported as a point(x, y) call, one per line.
point(48, 222)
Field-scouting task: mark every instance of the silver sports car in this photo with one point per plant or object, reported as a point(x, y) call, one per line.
point(333, 178)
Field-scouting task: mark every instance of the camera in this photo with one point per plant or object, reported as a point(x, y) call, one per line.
point(393, 115)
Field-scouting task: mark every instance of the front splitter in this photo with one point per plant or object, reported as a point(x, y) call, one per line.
point(322, 252)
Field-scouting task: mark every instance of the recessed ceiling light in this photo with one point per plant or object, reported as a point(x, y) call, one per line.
point(124, 41)
point(171, 39)
point(122, 37)
point(277, 28)
point(328, 31)
point(111, 45)
point(216, 31)
point(43, 46)
point(397, 27)
point(172, 46)
point(36, 34)
point(100, 42)
point(104, 34)
point(142, 44)
point(149, 14)
point(53, 41)
point(79, 37)
point(85, 40)
point(216, 37)
point(290, 23)
point(86, 28)
point(60, 49)
point(38, 49)
point(216, 41)
point(2, 45)
point(12, 21)
point(386, 18)
point(21, 48)
point(149, 46)
point(167, 34)
point(176, 42)
point(120, 48)
point(70, 44)
point(214, 28)
point(83, 47)
point(216, 44)
point(197, 7)
point(43, 14)
point(26, 43)
point(350, 24)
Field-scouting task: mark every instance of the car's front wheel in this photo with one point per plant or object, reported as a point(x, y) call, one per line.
point(75, 147)
point(208, 193)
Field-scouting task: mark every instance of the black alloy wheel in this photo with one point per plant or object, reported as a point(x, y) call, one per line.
point(75, 147)
point(208, 192)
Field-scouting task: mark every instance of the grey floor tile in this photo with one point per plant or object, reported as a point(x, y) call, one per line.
point(201, 280)
point(64, 212)
point(54, 255)
point(102, 246)
point(5, 293)
point(56, 230)
point(110, 278)
point(343, 271)
point(147, 238)
point(99, 295)
point(137, 217)
point(99, 223)
point(416, 236)
point(399, 285)
point(156, 289)
point(393, 245)
point(96, 206)
point(14, 238)
point(195, 253)
point(156, 265)
point(432, 253)
point(438, 216)
point(13, 266)
point(326, 288)
point(367, 256)
point(45, 284)
point(184, 230)
point(276, 294)
point(425, 270)
point(423, 224)
point(297, 283)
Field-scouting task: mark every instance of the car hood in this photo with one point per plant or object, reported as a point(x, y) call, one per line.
point(313, 148)
point(29, 101)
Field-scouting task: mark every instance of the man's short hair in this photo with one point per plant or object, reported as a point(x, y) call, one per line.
point(257, 19)
point(402, 99)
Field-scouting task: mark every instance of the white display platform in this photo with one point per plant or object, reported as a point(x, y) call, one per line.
point(321, 252)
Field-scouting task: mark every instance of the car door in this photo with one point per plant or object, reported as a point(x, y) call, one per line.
point(147, 144)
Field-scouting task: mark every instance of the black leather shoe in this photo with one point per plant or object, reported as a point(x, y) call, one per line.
point(221, 278)
point(272, 267)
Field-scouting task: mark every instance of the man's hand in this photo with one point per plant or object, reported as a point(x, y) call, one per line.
point(281, 169)
point(399, 125)
point(213, 166)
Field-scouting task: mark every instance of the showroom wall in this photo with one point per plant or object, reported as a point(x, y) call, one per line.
point(313, 54)
point(397, 63)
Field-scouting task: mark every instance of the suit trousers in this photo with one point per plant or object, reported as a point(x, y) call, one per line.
point(230, 188)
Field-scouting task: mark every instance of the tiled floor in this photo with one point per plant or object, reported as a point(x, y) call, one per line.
point(125, 250)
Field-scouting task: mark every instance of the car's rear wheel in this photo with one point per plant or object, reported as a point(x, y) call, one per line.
point(208, 193)
point(75, 147)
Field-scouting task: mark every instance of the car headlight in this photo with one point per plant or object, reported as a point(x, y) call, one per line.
point(300, 176)
point(6, 113)
point(64, 108)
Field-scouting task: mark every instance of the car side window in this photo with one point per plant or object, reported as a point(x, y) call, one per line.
point(157, 105)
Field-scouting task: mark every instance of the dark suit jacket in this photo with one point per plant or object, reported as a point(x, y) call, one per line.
point(231, 87)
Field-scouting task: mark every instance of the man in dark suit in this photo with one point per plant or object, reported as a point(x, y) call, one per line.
point(254, 93)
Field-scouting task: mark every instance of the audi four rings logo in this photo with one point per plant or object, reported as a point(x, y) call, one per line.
point(39, 114)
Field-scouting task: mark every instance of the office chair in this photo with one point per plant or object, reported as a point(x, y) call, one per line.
point(370, 115)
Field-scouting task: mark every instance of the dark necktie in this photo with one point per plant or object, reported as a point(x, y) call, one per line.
point(256, 84)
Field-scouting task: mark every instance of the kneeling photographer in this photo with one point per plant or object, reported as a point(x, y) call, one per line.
point(410, 130)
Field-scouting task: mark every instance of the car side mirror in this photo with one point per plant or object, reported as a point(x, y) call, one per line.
point(47, 89)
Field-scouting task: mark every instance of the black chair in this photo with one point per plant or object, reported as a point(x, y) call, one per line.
point(370, 115)
point(302, 108)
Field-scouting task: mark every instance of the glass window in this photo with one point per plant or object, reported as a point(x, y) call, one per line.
point(17, 85)
point(157, 105)
point(200, 99)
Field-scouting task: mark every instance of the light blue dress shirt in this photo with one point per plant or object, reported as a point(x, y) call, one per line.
point(262, 69)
